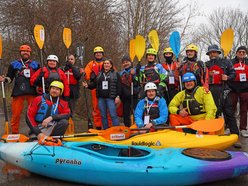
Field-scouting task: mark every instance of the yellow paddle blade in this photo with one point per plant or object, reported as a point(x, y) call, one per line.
point(132, 49)
point(67, 37)
point(226, 41)
point(140, 45)
point(153, 39)
point(6, 128)
point(39, 35)
point(1, 46)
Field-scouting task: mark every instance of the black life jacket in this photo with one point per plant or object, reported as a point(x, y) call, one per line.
point(154, 110)
point(151, 74)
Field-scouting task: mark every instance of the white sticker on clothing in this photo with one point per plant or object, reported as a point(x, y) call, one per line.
point(26, 73)
point(105, 85)
point(242, 77)
point(146, 119)
point(171, 80)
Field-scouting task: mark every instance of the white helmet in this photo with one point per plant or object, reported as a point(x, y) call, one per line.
point(150, 86)
point(53, 58)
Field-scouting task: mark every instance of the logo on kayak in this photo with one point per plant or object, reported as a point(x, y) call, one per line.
point(119, 136)
point(145, 143)
point(66, 161)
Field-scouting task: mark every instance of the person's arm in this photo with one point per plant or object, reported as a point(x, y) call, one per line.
point(209, 104)
point(176, 102)
point(76, 72)
point(138, 114)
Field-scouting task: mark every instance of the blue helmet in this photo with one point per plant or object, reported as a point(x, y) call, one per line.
point(188, 77)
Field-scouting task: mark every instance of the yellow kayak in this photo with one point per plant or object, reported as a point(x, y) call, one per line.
point(168, 138)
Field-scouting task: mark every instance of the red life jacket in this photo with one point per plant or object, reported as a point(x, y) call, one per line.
point(241, 68)
point(215, 72)
point(97, 67)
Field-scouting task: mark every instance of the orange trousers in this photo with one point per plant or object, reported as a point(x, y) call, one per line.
point(96, 112)
point(176, 120)
point(17, 107)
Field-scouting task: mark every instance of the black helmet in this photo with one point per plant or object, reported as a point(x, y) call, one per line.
point(213, 48)
point(125, 58)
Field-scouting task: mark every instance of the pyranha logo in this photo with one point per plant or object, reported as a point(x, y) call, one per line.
point(66, 161)
point(145, 143)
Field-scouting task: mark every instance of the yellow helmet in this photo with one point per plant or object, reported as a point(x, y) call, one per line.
point(151, 51)
point(192, 47)
point(58, 84)
point(169, 49)
point(98, 49)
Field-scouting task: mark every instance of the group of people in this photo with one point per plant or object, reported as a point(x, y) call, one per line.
point(170, 92)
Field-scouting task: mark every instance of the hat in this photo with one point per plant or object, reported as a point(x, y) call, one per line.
point(212, 48)
point(125, 58)
point(242, 48)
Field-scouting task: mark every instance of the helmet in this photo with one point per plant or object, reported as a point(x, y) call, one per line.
point(212, 48)
point(150, 86)
point(57, 84)
point(151, 51)
point(25, 48)
point(192, 47)
point(188, 77)
point(98, 49)
point(53, 58)
point(169, 49)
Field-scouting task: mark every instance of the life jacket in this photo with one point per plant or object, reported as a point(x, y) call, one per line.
point(97, 67)
point(241, 68)
point(52, 76)
point(192, 105)
point(45, 110)
point(189, 66)
point(70, 77)
point(153, 108)
point(151, 74)
point(215, 72)
point(126, 79)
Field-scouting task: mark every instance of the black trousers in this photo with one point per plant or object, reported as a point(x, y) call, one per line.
point(127, 110)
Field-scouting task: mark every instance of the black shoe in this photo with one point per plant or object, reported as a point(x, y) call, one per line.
point(237, 145)
point(98, 128)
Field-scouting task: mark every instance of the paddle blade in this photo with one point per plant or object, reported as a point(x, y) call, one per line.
point(175, 42)
point(226, 41)
point(39, 35)
point(1, 46)
point(15, 138)
point(153, 39)
point(6, 128)
point(211, 125)
point(67, 37)
point(132, 49)
point(140, 45)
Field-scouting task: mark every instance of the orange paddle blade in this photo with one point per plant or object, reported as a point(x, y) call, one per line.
point(132, 49)
point(211, 125)
point(226, 41)
point(15, 138)
point(39, 35)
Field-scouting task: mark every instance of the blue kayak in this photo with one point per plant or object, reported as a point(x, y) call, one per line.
point(98, 163)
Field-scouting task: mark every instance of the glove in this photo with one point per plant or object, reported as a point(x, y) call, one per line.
point(48, 140)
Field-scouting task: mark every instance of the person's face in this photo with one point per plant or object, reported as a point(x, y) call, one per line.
point(241, 54)
point(189, 85)
point(126, 64)
point(55, 92)
point(107, 65)
point(98, 55)
point(151, 94)
point(25, 54)
point(168, 54)
point(190, 53)
point(51, 63)
point(71, 59)
point(213, 54)
point(150, 57)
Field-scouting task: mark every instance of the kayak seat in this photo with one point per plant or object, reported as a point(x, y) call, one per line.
point(132, 152)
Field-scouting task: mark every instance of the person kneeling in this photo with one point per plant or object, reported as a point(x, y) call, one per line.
point(152, 110)
point(191, 104)
point(48, 115)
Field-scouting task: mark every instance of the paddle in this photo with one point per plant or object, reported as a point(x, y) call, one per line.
point(226, 41)
point(39, 35)
point(67, 39)
point(139, 49)
point(175, 44)
point(6, 128)
point(154, 41)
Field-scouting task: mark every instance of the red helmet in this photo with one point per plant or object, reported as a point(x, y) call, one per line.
point(25, 48)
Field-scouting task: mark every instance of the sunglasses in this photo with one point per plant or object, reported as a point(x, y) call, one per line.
point(242, 51)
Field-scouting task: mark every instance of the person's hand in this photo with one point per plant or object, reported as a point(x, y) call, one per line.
point(84, 83)
point(46, 121)
point(2, 78)
point(132, 71)
point(183, 112)
point(82, 70)
point(224, 77)
point(117, 100)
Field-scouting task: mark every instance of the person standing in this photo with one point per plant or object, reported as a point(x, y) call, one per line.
point(239, 87)
point(73, 76)
point(128, 100)
point(191, 104)
point(108, 90)
point(21, 70)
point(50, 74)
point(48, 115)
point(221, 72)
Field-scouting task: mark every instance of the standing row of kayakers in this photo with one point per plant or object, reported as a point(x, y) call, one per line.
point(172, 92)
